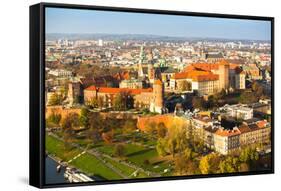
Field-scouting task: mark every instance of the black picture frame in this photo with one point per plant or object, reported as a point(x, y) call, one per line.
point(37, 92)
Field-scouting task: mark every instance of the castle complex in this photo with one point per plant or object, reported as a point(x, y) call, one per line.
point(209, 78)
point(150, 98)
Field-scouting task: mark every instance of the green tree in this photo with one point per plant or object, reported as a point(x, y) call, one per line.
point(55, 99)
point(93, 102)
point(229, 165)
point(84, 117)
point(161, 147)
point(248, 97)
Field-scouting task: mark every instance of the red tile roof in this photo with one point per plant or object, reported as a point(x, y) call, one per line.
point(196, 75)
point(227, 133)
point(117, 90)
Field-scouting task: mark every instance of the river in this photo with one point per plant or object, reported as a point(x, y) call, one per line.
point(52, 176)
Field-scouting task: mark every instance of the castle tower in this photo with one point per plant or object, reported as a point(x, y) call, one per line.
point(151, 72)
point(157, 102)
point(223, 73)
point(74, 92)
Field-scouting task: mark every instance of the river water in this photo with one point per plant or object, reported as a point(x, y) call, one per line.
point(52, 176)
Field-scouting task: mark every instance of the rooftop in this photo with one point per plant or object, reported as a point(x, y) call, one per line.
point(117, 90)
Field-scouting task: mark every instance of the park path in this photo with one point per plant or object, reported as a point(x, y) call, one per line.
point(97, 155)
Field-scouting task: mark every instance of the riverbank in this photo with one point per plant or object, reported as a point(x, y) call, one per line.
point(87, 163)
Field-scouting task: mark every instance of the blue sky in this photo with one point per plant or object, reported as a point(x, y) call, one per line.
point(59, 20)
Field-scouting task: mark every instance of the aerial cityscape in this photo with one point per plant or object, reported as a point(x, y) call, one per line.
point(133, 95)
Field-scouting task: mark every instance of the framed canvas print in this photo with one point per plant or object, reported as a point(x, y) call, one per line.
point(123, 95)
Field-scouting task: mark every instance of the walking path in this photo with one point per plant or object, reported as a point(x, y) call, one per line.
point(99, 155)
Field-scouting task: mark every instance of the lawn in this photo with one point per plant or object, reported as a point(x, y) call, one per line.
point(87, 163)
point(128, 171)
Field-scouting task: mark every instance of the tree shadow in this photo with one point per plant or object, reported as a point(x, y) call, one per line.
point(138, 152)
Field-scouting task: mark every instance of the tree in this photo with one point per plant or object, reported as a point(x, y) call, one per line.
point(84, 118)
point(95, 127)
point(184, 86)
point(123, 101)
point(93, 102)
point(209, 163)
point(172, 146)
point(248, 154)
point(118, 102)
point(229, 165)
point(150, 127)
point(184, 166)
point(68, 124)
point(119, 150)
point(161, 130)
point(248, 97)
point(244, 167)
point(55, 99)
point(108, 137)
point(71, 121)
point(54, 118)
point(198, 103)
point(258, 89)
point(101, 103)
point(204, 165)
point(161, 147)
point(129, 126)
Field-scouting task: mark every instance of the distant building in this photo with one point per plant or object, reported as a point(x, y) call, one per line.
point(205, 83)
point(237, 77)
point(61, 73)
point(255, 133)
point(226, 141)
point(212, 56)
point(131, 84)
point(239, 111)
point(252, 71)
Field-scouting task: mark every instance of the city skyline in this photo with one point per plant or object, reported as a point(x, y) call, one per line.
point(67, 21)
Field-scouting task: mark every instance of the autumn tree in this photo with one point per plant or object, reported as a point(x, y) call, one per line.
point(209, 163)
point(54, 118)
point(184, 86)
point(108, 137)
point(70, 122)
point(198, 103)
point(161, 130)
point(123, 101)
point(119, 150)
point(204, 165)
point(129, 126)
point(95, 127)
